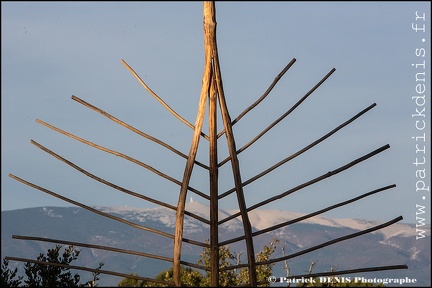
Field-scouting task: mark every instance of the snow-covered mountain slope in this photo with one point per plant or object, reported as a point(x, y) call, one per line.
point(262, 219)
point(394, 245)
point(259, 219)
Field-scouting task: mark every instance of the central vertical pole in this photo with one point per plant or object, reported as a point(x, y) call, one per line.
point(212, 88)
point(210, 6)
point(209, 28)
point(214, 209)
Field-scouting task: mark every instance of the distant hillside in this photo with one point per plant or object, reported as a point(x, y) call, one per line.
point(393, 245)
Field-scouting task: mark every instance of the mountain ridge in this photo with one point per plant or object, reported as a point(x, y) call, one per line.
point(264, 218)
point(392, 245)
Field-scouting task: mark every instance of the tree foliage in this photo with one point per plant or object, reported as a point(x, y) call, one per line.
point(44, 275)
point(130, 282)
point(227, 278)
point(235, 277)
point(9, 277)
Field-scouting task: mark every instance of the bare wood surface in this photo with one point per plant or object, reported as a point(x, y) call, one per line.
point(213, 177)
point(212, 88)
point(232, 150)
point(205, 88)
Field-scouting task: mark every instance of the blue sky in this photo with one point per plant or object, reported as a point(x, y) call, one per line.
point(53, 50)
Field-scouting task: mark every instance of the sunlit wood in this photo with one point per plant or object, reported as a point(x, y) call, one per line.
point(212, 97)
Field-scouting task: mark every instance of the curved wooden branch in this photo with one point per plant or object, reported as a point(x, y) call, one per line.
point(349, 236)
point(262, 231)
point(133, 160)
point(205, 89)
point(266, 93)
point(301, 151)
point(281, 117)
point(107, 248)
point(139, 132)
point(160, 100)
point(105, 214)
point(214, 190)
point(313, 181)
point(100, 271)
point(149, 199)
point(247, 227)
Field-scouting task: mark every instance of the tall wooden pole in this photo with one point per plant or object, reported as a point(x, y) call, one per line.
point(178, 236)
point(214, 209)
point(212, 88)
point(210, 23)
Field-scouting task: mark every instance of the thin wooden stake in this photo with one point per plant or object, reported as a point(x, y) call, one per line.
point(307, 216)
point(148, 167)
point(105, 214)
point(139, 132)
point(247, 227)
point(160, 100)
point(106, 248)
point(313, 181)
point(305, 251)
point(121, 189)
point(282, 117)
point(213, 176)
point(100, 271)
point(206, 82)
point(301, 151)
point(343, 238)
point(266, 93)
